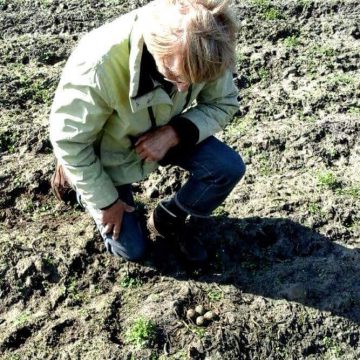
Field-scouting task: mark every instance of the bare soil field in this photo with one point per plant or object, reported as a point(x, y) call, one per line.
point(283, 279)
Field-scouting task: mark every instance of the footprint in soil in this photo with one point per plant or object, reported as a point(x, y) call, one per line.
point(275, 258)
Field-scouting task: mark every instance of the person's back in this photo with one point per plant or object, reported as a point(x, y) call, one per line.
point(151, 87)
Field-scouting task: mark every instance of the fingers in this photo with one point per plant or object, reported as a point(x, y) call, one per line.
point(108, 228)
point(112, 218)
point(144, 144)
point(142, 154)
point(113, 229)
point(141, 139)
point(116, 231)
point(142, 150)
point(145, 155)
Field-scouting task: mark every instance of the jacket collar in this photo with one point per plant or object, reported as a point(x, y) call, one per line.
point(144, 91)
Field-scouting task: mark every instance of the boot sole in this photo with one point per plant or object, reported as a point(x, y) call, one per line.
point(151, 226)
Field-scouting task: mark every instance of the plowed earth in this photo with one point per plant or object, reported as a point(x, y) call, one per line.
point(284, 270)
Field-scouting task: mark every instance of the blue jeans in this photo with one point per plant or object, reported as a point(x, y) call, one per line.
point(214, 169)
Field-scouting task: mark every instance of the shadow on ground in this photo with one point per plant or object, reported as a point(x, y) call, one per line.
point(275, 258)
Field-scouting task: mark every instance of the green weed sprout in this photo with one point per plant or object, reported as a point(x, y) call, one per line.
point(291, 41)
point(141, 333)
point(129, 281)
point(214, 295)
point(272, 14)
point(329, 180)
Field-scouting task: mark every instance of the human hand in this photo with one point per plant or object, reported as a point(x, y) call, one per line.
point(111, 218)
point(153, 145)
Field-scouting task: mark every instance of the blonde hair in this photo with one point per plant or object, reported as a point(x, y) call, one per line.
point(202, 32)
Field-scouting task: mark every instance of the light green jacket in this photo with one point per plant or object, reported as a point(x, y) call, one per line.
point(96, 103)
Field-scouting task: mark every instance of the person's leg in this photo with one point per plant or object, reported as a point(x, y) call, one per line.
point(214, 169)
point(131, 243)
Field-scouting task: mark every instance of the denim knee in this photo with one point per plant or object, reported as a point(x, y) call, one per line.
point(131, 243)
point(238, 169)
point(135, 252)
point(231, 170)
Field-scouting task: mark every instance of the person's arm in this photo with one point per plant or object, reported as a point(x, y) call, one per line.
point(79, 112)
point(216, 105)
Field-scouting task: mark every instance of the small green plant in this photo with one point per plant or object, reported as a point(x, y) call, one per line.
point(307, 118)
point(261, 3)
point(46, 3)
point(328, 180)
point(304, 3)
point(353, 191)
point(332, 152)
point(239, 56)
point(248, 152)
point(327, 52)
point(239, 126)
point(341, 79)
point(36, 90)
point(264, 74)
point(312, 67)
point(355, 110)
point(264, 164)
point(26, 205)
point(72, 286)
point(72, 290)
point(334, 350)
point(21, 319)
point(272, 14)
point(198, 331)
point(141, 333)
point(269, 12)
point(31, 85)
point(20, 287)
point(84, 312)
point(12, 357)
point(314, 208)
point(291, 41)
point(214, 294)
point(8, 141)
point(129, 281)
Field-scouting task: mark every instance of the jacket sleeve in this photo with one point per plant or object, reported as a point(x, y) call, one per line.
point(80, 109)
point(216, 105)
